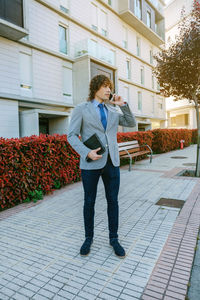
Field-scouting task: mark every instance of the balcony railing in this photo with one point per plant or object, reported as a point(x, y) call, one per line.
point(157, 5)
point(90, 47)
point(130, 12)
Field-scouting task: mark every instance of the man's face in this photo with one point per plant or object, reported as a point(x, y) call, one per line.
point(103, 93)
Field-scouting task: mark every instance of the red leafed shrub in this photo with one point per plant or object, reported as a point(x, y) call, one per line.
point(39, 164)
point(165, 140)
point(35, 163)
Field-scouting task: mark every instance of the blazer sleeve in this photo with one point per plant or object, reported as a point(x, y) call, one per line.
point(74, 132)
point(127, 119)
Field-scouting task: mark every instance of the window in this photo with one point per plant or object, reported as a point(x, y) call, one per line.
point(152, 81)
point(12, 11)
point(138, 45)
point(111, 57)
point(173, 121)
point(128, 69)
point(67, 83)
point(126, 94)
point(64, 6)
point(125, 37)
point(151, 56)
point(103, 23)
point(138, 9)
point(142, 75)
point(186, 119)
point(25, 66)
point(93, 48)
point(148, 18)
point(180, 120)
point(160, 104)
point(63, 39)
point(152, 100)
point(94, 17)
point(139, 101)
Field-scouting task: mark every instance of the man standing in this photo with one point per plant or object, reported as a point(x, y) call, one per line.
point(94, 116)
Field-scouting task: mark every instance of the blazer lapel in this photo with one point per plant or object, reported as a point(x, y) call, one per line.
point(110, 117)
point(94, 114)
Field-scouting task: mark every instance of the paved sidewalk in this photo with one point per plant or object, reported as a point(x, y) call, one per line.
point(40, 245)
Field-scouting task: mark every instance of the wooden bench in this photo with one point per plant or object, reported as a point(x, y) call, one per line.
point(133, 149)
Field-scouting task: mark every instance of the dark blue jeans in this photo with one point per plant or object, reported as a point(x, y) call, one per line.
point(111, 179)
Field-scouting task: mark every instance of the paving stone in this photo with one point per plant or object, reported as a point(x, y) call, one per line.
point(106, 297)
point(13, 286)
point(50, 235)
point(18, 296)
point(26, 292)
point(65, 294)
point(45, 293)
point(127, 297)
point(51, 288)
point(4, 297)
point(32, 287)
point(7, 292)
point(39, 297)
point(56, 283)
point(111, 292)
point(71, 289)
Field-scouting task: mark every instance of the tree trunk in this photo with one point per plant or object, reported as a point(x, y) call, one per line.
point(197, 172)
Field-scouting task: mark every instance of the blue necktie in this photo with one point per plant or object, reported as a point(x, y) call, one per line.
point(103, 116)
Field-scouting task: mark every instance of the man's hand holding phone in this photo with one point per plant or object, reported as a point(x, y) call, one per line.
point(117, 100)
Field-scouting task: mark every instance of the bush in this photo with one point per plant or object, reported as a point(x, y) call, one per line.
point(141, 136)
point(165, 140)
point(33, 166)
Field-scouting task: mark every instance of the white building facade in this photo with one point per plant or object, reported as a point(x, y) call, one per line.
point(50, 50)
point(180, 114)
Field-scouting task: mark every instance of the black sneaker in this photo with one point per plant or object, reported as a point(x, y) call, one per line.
point(118, 249)
point(85, 248)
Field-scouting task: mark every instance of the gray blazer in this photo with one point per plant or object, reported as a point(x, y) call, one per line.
point(85, 122)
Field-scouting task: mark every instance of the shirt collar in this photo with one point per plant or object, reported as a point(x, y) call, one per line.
point(96, 103)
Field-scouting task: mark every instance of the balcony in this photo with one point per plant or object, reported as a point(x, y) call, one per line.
point(126, 12)
point(11, 19)
point(90, 47)
point(157, 5)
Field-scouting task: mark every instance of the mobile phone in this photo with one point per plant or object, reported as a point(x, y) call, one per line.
point(111, 96)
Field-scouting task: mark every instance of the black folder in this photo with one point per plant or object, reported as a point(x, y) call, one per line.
point(94, 142)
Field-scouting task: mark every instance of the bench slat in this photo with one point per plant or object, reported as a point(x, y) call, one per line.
point(136, 154)
point(134, 149)
point(129, 147)
point(127, 143)
point(130, 151)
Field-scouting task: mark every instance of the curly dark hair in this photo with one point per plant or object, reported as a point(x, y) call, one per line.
point(96, 83)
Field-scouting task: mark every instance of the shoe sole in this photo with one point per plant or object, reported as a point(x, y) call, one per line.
point(84, 254)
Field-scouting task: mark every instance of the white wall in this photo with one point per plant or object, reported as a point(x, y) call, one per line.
point(9, 67)
point(29, 123)
point(58, 125)
point(9, 120)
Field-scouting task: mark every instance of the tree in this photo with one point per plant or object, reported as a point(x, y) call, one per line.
point(178, 66)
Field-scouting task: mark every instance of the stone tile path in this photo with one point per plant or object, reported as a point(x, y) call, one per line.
point(40, 245)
